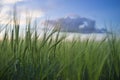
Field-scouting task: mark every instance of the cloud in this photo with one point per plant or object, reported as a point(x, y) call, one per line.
point(6, 13)
point(34, 13)
point(10, 1)
point(75, 24)
point(6, 10)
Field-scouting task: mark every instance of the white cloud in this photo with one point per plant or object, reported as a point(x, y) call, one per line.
point(5, 15)
point(83, 37)
point(22, 12)
point(32, 13)
point(10, 1)
point(37, 13)
point(5, 11)
point(6, 8)
point(6, 18)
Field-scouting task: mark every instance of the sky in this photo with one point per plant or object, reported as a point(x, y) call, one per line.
point(102, 11)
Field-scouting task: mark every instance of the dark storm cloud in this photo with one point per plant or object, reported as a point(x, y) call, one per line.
point(76, 24)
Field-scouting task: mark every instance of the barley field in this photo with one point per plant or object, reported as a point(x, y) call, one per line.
point(34, 58)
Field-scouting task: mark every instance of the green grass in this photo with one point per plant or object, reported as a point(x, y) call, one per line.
point(31, 58)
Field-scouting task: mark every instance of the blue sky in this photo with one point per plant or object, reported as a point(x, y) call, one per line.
point(102, 11)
